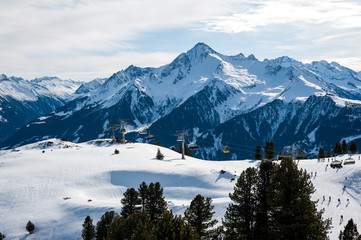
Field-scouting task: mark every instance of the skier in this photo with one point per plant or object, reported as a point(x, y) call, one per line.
point(323, 197)
point(341, 218)
point(311, 174)
point(329, 198)
point(339, 201)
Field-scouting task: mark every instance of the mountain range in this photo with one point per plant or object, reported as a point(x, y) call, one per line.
point(221, 100)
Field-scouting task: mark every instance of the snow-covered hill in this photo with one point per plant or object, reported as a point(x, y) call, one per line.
point(22, 101)
point(56, 184)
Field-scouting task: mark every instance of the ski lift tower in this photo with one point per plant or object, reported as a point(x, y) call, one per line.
point(181, 134)
point(113, 127)
point(123, 123)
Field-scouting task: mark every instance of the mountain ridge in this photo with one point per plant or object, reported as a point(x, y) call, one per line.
point(203, 88)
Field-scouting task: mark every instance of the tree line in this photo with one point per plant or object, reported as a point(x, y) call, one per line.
point(339, 148)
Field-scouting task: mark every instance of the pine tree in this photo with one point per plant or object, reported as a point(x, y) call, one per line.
point(321, 153)
point(117, 229)
point(350, 232)
point(353, 147)
point(240, 217)
point(269, 150)
point(257, 153)
point(337, 149)
point(328, 154)
point(2, 236)
point(88, 232)
point(293, 212)
point(199, 215)
point(263, 221)
point(103, 225)
point(138, 226)
point(173, 227)
point(344, 147)
point(155, 203)
point(131, 202)
point(30, 227)
point(159, 155)
point(143, 194)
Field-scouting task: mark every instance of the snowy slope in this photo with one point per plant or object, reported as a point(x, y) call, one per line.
point(52, 189)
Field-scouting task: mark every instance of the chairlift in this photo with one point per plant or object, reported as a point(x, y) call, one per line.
point(193, 146)
point(226, 149)
point(143, 132)
point(123, 130)
point(150, 137)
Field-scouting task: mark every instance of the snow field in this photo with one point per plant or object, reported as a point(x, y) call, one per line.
point(57, 189)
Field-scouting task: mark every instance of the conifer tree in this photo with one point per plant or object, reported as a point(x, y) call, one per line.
point(293, 212)
point(321, 153)
point(173, 227)
point(138, 226)
point(30, 227)
point(257, 153)
point(350, 232)
point(353, 147)
point(328, 154)
point(143, 194)
point(240, 217)
point(103, 225)
point(269, 151)
point(88, 232)
point(131, 202)
point(2, 236)
point(344, 147)
point(263, 221)
point(337, 149)
point(159, 155)
point(117, 229)
point(155, 203)
point(199, 215)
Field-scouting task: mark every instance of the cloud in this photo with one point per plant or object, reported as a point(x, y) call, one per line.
point(86, 38)
point(338, 14)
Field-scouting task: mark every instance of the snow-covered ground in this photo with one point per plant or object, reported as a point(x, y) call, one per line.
point(56, 184)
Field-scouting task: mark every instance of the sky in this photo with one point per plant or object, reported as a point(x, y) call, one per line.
point(87, 39)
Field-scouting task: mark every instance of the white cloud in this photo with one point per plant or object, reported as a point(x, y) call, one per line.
point(83, 39)
point(339, 14)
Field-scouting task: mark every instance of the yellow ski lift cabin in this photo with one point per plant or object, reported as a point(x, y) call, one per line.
point(123, 130)
point(193, 146)
point(226, 149)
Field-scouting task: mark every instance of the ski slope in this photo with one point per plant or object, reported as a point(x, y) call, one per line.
point(56, 184)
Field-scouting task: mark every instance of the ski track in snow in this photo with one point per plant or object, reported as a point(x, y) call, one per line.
point(53, 189)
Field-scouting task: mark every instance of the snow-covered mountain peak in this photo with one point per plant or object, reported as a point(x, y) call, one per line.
point(251, 57)
point(199, 50)
point(3, 77)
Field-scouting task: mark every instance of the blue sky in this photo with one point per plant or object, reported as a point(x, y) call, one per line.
point(87, 39)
